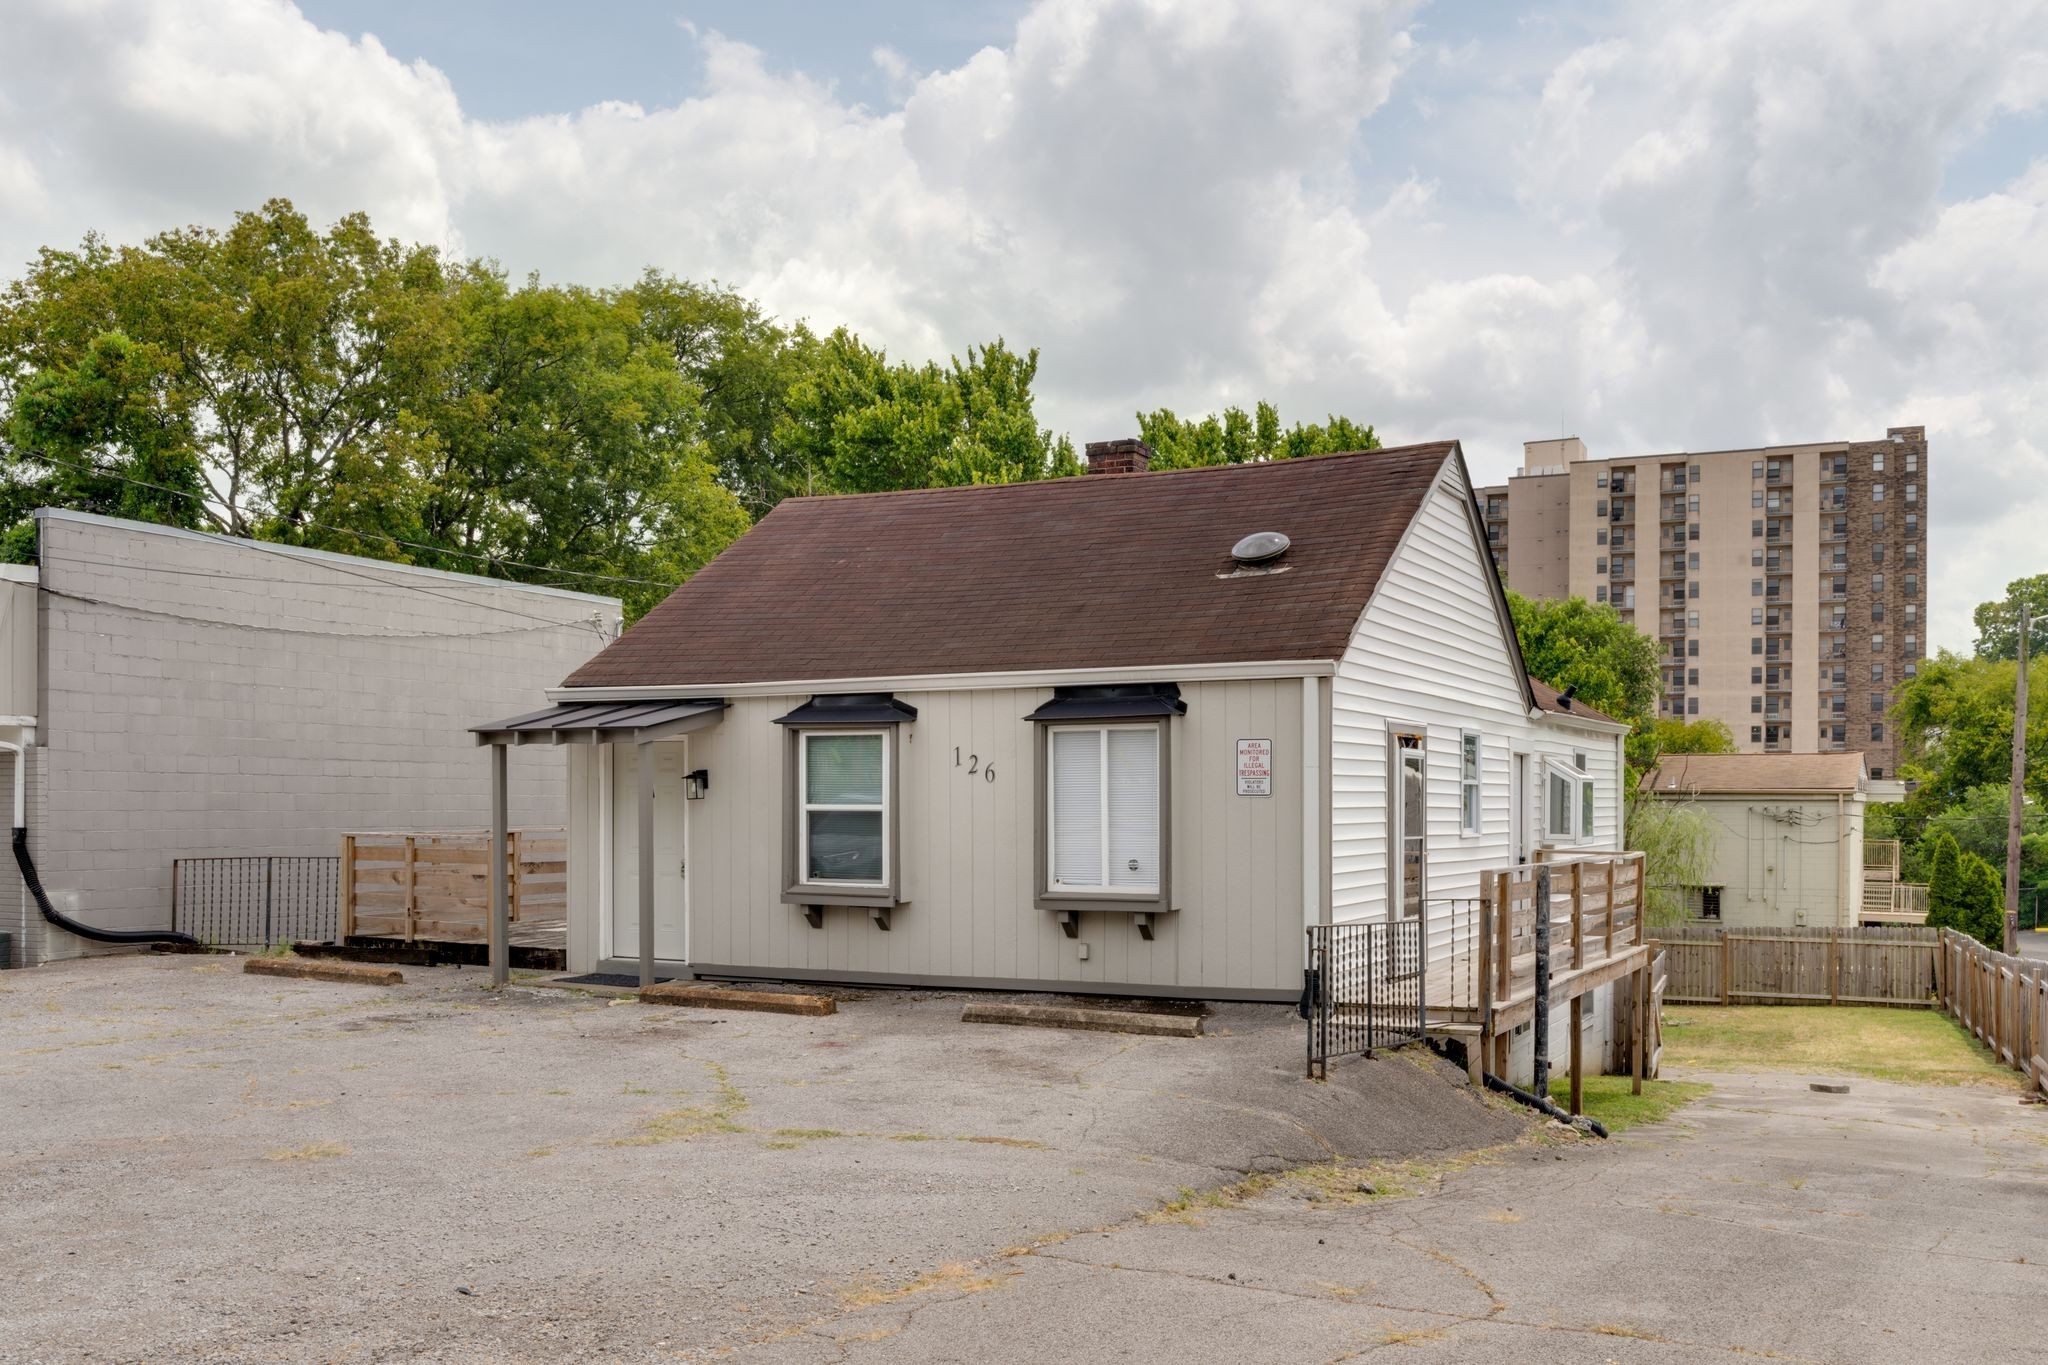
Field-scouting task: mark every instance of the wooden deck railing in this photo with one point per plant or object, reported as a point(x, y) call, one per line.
point(437, 886)
point(1595, 913)
point(2001, 1000)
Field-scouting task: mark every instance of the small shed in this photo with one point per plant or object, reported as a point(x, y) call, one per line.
point(1788, 846)
point(1132, 732)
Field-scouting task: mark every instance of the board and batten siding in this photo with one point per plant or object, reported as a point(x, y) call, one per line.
point(1432, 652)
point(966, 846)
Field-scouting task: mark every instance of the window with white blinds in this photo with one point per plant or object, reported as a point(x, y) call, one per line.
point(1103, 822)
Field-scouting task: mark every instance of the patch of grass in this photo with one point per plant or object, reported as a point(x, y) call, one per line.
point(1913, 1046)
point(1612, 1100)
point(312, 1151)
point(680, 1125)
point(809, 1134)
point(962, 1279)
point(1026, 1143)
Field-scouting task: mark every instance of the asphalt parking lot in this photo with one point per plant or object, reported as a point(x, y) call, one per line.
point(203, 1164)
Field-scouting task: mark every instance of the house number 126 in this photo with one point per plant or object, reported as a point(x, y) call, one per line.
point(975, 765)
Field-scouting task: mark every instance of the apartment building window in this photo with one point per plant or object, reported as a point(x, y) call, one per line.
point(1912, 461)
point(1600, 479)
point(1756, 676)
point(1877, 462)
point(1877, 492)
point(1912, 670)
point(1692, 648)
point(1692, 620)
point(1912, 523)
point(1756, 528)
point(1692, 504)
point(1912, 585)
point(1756, 644)
point(1692, 589)
point(1912, 614)
point(1756, 616)
point(1756, 469)
point(1876, 612)
point(1600, 536)
point(1628, 598)
point(1912, 554)
point(1600, 508)
point(1912, 646)
point(1692, 532)
point(1877, 643)
point(1692, 706)
point(1692, 677)
point(1877, 523)
point(1877, 672)
point(1756, 706)
point(1695, 473)
point(1756, 558)
point(1877, 703)
point(1600, 593)
point(1756, 734)
point(1692, 561)
point(1912, 494)
point(1600, 564)
point(1756, 497)
point(1756, 587)
point(1877, 582)
point(1876, 737)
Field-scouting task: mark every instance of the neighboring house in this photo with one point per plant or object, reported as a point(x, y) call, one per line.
point(1069, 734)
point(1788, 846)
point(196, 695)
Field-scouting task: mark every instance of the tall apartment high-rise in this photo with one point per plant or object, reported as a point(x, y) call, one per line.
point(1786, 586)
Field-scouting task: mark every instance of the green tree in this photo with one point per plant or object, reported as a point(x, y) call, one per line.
point(857, 423)
point(1676, 736)
point(1572, 643)
point(1998, 623)
point(1677, 843)
point(1980, 901)
point(1237, 437)
point(1944, 882)
point(1980, 822)
point(1955, 721)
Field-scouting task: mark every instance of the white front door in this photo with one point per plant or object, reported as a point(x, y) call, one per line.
point(671, 943)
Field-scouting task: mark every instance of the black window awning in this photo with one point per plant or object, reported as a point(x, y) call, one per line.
point(604, 722)
point(851, 708)
point(1118, 701)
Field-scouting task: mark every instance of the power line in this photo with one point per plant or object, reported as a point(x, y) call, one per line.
point(200, 498)
point(301, 630)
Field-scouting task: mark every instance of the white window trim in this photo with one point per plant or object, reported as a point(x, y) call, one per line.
point(1579, 782)
point(804, 807)
point(1476, 782)
point(1056, 887)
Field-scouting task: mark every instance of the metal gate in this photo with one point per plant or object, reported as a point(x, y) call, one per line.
point(256, 902)
point(1363, 989)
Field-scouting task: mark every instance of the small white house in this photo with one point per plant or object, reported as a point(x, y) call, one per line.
point(1125, 733)
point(1788, 847)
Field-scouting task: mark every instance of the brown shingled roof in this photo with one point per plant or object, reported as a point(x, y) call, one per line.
point(1761, 774)
point(1095, 571)
point(1550, 699)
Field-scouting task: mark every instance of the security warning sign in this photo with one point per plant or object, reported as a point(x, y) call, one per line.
point(1255, 767)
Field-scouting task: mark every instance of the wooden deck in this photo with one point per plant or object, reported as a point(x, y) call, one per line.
point(1485, 986)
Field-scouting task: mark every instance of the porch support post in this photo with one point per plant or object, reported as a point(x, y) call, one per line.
point(501, 929)
point(644, 848)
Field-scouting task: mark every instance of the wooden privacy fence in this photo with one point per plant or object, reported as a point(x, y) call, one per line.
point(437, 886)
point(1886, 965)
point(2001, 1000)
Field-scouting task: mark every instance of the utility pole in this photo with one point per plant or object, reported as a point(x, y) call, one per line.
point(2019, 797)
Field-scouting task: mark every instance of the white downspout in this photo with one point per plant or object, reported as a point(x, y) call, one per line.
point(1311, 807)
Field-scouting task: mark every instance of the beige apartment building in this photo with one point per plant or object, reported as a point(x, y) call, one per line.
point(1786, 586)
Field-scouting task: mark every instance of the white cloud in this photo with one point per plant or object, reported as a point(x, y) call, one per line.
point(1681, 227)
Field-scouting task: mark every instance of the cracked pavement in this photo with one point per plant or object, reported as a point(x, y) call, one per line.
point(195, 1164)
point(199, 1164)
point(1895, 1223)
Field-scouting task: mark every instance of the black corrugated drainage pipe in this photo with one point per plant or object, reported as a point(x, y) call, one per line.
point(1543, 1105)
point(69, 925)
point(34, 883)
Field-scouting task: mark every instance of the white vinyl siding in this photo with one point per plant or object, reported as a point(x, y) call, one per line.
point(1432, 653)
point(1104, 817)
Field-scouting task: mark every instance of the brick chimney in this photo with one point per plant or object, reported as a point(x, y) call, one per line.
point(1128, 456)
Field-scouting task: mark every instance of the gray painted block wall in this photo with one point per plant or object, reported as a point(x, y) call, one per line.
point(203, 696)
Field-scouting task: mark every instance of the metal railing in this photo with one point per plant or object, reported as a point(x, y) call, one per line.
point(257, 902)
point(1364, 989)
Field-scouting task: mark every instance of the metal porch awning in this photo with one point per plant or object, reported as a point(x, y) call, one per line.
point(604, 722)
point(639, 723)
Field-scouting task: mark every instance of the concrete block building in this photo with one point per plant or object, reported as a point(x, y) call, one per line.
point(1786, 586)
point(185, 695)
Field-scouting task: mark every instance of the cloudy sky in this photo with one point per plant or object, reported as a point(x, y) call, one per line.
point(1657, 226)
